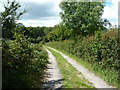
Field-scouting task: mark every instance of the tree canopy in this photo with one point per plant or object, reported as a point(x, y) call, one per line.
point(9, 17)
point(83, 18)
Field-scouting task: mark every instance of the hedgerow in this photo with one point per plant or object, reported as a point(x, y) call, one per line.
point(100, 50)
point(23, 63)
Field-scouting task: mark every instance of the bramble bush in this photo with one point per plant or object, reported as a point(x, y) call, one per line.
point(100, 50)
point(23, 63)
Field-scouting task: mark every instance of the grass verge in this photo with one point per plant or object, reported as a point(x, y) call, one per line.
point(71, 77)
point(109, 76)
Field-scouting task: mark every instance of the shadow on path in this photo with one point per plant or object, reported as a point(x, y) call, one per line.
point(53, 84)
point(53, 79)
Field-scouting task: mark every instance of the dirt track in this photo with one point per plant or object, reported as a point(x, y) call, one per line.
point(97, 82)
point(53, 75)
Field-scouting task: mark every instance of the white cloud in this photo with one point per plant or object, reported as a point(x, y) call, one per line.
point(111, 12)
point(48, 21)
point(38, 1)
point(57, 8)
point(51, 21)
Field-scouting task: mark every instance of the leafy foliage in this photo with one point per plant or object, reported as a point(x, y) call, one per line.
point(35, 34)
point(100, 50)
point(9, 17)
point(59, 33)
point(23, 63)
point(71, 79)
point(83, 18)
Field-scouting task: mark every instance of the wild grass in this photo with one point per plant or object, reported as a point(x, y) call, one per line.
point(109, 76)
point(98, 53)
point(70, 74)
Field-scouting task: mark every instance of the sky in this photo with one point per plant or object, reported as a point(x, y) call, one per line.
point(46, 12)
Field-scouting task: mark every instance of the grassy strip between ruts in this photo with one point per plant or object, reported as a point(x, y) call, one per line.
point(71, 77)
point(107, 75)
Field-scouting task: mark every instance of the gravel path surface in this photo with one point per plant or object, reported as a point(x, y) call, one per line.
point(53, 75)
point(97, 82)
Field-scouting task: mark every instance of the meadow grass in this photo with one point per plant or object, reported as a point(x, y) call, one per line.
point(109, 76)
point(70, 74)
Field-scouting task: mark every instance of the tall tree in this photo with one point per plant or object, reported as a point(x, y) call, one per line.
point(83, 18)
point(9, 17)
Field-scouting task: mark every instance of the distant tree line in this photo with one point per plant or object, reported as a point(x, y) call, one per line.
point(79, 19)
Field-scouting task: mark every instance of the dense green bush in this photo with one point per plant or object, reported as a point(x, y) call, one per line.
point(100, 50)
point(58, 33)
point(33, 34)
point(23, 63)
